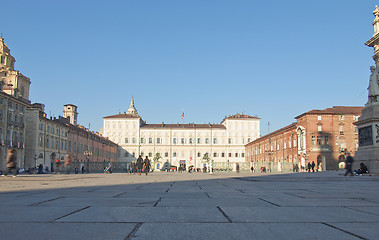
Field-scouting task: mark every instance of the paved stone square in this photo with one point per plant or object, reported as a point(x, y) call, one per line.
point(323, 205)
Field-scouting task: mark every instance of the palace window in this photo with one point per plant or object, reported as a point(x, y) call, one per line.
point(214, 140)
point(222, 154)
point(150, 140)
point(198, 154)
point(229, 140)
point(190, 141)
point(159, 140)
point(126, 140)
point(174, 154)
point(319, 128)
point(236, 154)
point(320, 140)
point(199, 140)
point(342, 117)
point(326, 139)
point(341, 130)
point(206, 140)
point(313, 140)
point(134, 140)
point(183, 141)
point(242, 154)
point(174, 140)
point(166, 154)
point(319, 117)
point(142, 140)
point(214, 154)
point(150, 154)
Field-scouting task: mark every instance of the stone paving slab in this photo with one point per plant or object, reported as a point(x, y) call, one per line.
point(365, 230)
point(33, 213)
point(102, 202)
point(297, 214)
point(147, 214)
point(216, 231)
point(59, 231)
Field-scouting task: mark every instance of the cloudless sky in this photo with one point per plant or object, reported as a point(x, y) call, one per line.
point(274, 59)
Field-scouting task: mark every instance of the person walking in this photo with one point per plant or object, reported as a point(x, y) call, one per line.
point(57, 166)
point(11, 163)
point(139, 164)
point(67, 163)
point(146, 164)
point(81, 167)
point(313, 166)
point(349, 164)
point(309, 166)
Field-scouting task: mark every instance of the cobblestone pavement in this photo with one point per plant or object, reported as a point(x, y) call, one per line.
point(324, 205)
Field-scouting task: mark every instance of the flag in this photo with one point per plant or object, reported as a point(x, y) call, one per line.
point(182, 115)
point(190, 158)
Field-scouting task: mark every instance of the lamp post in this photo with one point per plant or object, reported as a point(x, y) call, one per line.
point(87, 154)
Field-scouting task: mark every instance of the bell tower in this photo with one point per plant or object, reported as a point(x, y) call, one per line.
point(70, 112)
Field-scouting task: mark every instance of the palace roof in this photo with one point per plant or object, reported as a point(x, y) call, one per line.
point(181, 126)
point(335, 110)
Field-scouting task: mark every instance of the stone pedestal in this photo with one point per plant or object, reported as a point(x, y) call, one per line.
point(368, 127)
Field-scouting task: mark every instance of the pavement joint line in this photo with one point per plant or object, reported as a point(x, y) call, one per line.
point(239, 190)
point(294, 195)
point(207, 195)
point(81, 209)
point(29, 194)
point(49, 200)
point(225, 215)
point(93, 190)
point(168, 189)
point(269, 202)
point(342, 230)
point(117, 195)
point(157, 202)
point(198, 185)
point(350, 207)
point(134, 231)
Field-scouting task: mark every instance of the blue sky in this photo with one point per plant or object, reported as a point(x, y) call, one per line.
point(275, 59)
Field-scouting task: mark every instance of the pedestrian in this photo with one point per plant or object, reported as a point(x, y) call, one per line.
point(237, 168)
point(67, 163)
point(252, 169)
point(348, 164)
point(309, 166)
point(139, 164)
point(40, 169)
point(11, 163)
point(313, 166)
point(57, 165)
point(146, 164)
point(82, 167)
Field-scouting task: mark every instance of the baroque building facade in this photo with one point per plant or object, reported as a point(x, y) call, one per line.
point(181, 144)
point(319, 136)
point(49, 139)
point(14, 100)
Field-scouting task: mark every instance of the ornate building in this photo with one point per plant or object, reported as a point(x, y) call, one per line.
point(53, 138)
point(320, 136)
point(184, 144)
point(14, 100)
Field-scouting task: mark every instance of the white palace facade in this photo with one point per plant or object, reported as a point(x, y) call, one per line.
point(181, 143)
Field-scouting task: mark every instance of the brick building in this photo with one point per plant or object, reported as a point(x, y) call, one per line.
point(322, 136)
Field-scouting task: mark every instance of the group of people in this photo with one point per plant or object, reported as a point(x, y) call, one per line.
point(66, 164)
point(140, 166)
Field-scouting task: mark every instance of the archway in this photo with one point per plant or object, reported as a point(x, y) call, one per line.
point(321, 163)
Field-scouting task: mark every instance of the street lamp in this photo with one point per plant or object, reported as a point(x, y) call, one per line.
point(87, 154)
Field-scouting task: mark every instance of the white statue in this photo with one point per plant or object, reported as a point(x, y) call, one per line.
point(373, 87)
